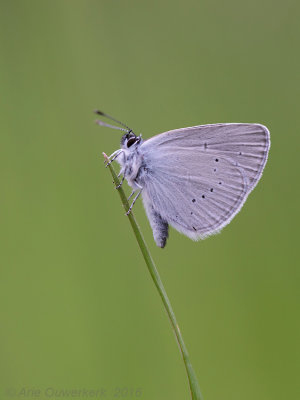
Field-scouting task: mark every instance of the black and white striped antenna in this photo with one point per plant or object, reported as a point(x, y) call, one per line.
point(101, 123)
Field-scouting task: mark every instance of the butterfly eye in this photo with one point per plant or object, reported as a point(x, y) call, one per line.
point(131, 141)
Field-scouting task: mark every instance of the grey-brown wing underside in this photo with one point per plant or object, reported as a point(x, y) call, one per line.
point(198, 178)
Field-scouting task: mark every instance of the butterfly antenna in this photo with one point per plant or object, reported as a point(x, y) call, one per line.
point(101, 123)
point(98, 112)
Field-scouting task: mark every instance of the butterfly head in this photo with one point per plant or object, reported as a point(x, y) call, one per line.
point(130, 140)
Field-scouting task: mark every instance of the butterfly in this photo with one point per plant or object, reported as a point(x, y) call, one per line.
point(195, 179)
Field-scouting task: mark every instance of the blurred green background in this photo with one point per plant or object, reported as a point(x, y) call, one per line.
point(78, 308)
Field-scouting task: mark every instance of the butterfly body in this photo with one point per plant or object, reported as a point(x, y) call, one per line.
point(131, 163)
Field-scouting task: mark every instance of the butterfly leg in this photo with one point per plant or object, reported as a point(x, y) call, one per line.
point(134, 200)
point(121, 182)
point(131, 194)
point(113, 156)
point(114, 153)
point(122, 172)
point(136, 184)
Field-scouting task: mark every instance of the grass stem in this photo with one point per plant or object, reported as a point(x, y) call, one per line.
point(194, 386)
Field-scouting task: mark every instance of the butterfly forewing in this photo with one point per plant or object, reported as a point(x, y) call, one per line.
point(246, 144)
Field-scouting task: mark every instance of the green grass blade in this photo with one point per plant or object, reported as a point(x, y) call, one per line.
point(194, 386)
